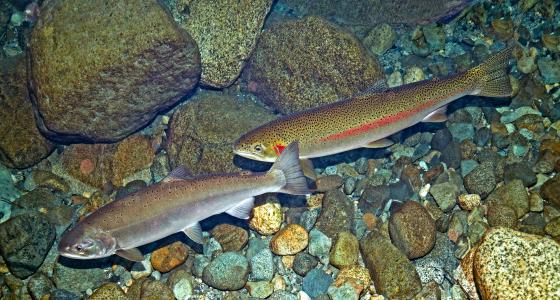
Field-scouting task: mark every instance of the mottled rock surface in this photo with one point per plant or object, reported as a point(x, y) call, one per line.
point(203, 130)
point(413, 230)
point(513, 265)
point(26, 240)
point(321, 64)
point(228, 271)
point(337, 214)
point(393, 274)
point(21, 143)
point(226, 32)
point(289, 240)
point(104, 88)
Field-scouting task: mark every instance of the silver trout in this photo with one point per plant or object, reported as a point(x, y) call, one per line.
point(175, 204)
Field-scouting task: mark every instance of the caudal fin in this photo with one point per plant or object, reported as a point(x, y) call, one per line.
point(494, 79)
point(288, 163)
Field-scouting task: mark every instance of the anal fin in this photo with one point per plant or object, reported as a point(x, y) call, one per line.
point(194, 232)
point(382, 143)
point(438, 115)
point(243, 209)
point(132, 254)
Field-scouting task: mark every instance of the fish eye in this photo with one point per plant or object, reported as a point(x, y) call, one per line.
point(79, 248)
point(258, 148)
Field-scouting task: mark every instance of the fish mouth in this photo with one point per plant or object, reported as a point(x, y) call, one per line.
point(252, 156)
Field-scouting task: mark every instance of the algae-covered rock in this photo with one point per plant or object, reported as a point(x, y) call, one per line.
point(26, 240)
point(21, 143)
point(393, 274)
point(226, 32)
point(202, 131)
point(320, 64)
point(101, 70)
point(97, 164)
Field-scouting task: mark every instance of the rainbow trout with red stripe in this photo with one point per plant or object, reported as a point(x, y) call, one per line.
point(177, 204)
point(365, 120)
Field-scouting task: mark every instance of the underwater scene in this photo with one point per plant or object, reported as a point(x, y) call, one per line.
point(279, 149)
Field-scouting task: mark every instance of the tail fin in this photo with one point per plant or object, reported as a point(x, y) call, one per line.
point(288, 163)
point(494, 79)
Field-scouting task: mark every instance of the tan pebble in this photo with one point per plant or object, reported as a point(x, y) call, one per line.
point(288, 261)
point(469, 201)
point(169, 257)
point(414, 74)
point(371, 220)
point(267, 218)
point(315, 201)
point(290, 240)
point(278, 281)
point(357, 276)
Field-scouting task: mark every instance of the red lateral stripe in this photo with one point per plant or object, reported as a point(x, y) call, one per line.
point(381, 122)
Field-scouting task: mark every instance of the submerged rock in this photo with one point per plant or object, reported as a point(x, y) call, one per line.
point(226, 33)
point(202, 131)
point(513, 265)
point(21, 145)
point(393, 274)
point(337, 214)
point(413, 230)
point(149, 289)
point(26, 240)
point(228, 271)
point(289, 240)
point(321, 64)
point(104, 88)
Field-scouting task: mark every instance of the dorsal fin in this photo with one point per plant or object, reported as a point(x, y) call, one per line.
point(179, 173)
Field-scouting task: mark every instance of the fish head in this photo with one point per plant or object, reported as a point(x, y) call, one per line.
point(86, 243)
point(259, 147)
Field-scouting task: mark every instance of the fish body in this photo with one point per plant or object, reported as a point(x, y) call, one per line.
point(366, 119)
point(176, 204)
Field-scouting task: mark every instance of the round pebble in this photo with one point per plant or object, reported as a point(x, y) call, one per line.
point(344, 252)
point(267, 218)
point(412, 230)
point(228, 272)
point(469, 201)
point(289, 240)
point(169, 257)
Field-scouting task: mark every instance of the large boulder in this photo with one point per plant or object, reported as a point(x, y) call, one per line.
point(21, 143)
point(309, 62)
point(226, 32)
point(26, 240)
point(509, 264)
point(201, 132)
point(101, 70)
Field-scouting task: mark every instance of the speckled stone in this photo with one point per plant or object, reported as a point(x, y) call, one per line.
point(169, 257)
point(203, 145)
point(413, 230)
point(107, 87)
point(337, 214)
point(319, 245)
point(259, 289)
point(267, 218)
point(303, 263)
point(289, 240)
point(501, 215)
point(21, 145)
point(344, 252)
point(329, 182)
point(149, 289)
point(108, 291)
point(552, 228)
point(226, 33)
point(323, 64)
point(481, 180)
point(228, 271)
point(512, 194)
point(514, 265)
point(550, 190)
point(232, 238)
point(469, 201)
point(393, 274)
point(316, 283)
point(357, 276)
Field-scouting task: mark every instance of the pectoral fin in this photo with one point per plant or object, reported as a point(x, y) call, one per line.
point(438, 115)
point(307, 168)
point(382, 143)
point(194, 232)
point(132, 254)
point(243, 209)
